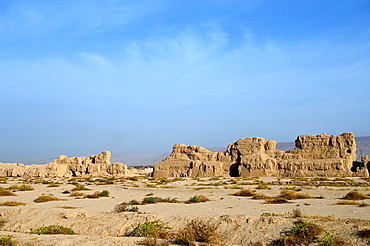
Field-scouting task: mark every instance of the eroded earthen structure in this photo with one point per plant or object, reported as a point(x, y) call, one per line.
point(95, 165)
point(313, 155)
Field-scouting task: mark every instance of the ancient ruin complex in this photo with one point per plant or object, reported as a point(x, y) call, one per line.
point(95, 165)
point(313, 156)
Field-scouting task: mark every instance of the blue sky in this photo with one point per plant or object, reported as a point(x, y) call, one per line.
point(82, 76)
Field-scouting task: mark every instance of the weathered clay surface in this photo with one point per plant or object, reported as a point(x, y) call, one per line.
point(95, 165)
point(314, 155)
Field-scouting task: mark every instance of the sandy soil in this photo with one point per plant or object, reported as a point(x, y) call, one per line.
point(240, 218)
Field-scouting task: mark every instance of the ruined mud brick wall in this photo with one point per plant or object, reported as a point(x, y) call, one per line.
point(314, 155)
point(95, 165)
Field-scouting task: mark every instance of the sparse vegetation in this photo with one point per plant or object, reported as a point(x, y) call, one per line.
point(125, 207)
point(48, 198)
point(293, 195)
point(12, 204)
point(355, 195)
point(331, 239)
point(276, 200)
point(155, 229)
point(5, 192)
point(244, 192)
point(79, 187)
point(302, 232)
point(6, 240)
point(199, 231)
point(23, 187)
point(347, 203)
point(197, 199)
point(53, 229)
point(53, 185)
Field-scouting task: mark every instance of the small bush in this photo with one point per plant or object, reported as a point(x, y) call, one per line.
point(12, 204)
point(276, 200)
point(263, 186)
point(48, 199)
point(292, 195)
point(96, 194)
point(199, 231)
point(150, 200)
point(125, 207)
point(4, 192)
point(197, 199)
point(53, 185)
point(331, 239)
point(104, 193)
point(355, 195)
point(134, 202)
point(154, 229)
point(79, 187)
point(258, 196)
point(53, 229)
point(6, 240)
point(23, 187)
point(302, 232)
point(347, 203)
point(244, 192)
point(77, 193)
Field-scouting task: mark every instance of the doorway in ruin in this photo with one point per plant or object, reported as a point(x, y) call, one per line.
point(234, 170)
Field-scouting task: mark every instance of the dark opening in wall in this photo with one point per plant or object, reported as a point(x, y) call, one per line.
point(235, 170)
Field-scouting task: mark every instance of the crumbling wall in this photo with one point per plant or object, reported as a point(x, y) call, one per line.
point(95, 165)
point(314, 155)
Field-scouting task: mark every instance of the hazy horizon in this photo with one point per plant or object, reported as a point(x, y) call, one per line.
point(79, 77)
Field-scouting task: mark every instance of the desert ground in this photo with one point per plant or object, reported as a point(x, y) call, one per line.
point(239, 220)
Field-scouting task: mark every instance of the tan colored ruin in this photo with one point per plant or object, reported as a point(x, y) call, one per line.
point(313, 156)
point(95, 165)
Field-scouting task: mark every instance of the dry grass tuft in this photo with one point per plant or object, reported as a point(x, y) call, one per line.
point(347, 203)
point(199, 231)
point(12, 203)
point(355, 195)
point(293, 195)
point(4, 192)
point(244, 192)
point(276, 200)
point(48, 199)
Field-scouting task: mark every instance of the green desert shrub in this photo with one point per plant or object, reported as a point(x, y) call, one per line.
point(12, 203)
point(53, 229)
point(201, 231)
point(197, 199)
point(104, 193)
point(302, 232)
point(6, 240)
point(155, 229)
point(46, 198)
